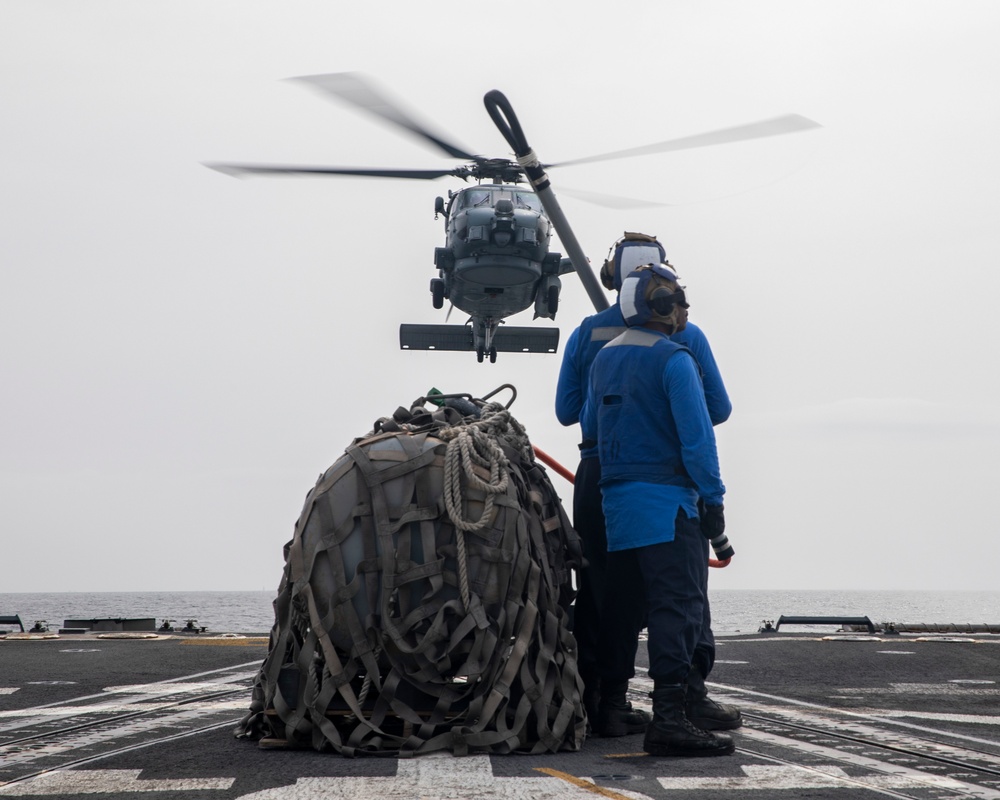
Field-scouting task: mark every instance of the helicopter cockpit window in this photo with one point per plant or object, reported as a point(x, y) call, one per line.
point(476, 197)
point(527, 200)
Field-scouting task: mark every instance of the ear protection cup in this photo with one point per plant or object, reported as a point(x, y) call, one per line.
point(627, 254)
point(661, 301)
point(608, 275)
point(650, 291)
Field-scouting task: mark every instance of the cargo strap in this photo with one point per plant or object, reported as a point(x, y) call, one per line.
point(447, 628)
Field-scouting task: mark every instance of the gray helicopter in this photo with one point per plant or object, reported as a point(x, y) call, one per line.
point(496, 260)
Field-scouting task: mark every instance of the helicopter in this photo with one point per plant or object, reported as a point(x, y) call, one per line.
point(496, 260)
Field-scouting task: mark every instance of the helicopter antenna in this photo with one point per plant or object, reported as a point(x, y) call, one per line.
point(503, 116)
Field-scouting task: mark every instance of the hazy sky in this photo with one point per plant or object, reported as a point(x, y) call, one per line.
point(183, 353)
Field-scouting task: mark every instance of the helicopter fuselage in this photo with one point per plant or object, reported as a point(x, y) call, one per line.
point(496, 260)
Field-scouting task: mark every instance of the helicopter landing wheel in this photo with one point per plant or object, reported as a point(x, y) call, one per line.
point(493, 355)
point(437, 292)
point(480, 354)
point(553, 299)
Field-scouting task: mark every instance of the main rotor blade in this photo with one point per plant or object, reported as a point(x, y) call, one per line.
point(352, 88)
point(609, 200)
point(790, 123)
point(247, 170)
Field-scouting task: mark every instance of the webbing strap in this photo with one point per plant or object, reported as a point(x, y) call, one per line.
point(398, 634)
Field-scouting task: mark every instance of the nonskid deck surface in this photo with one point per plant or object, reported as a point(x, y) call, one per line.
point(826, 716)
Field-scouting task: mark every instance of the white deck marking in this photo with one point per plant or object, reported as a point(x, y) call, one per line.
point(439, 777)
point(114, 708)
point(945, 689)
point(52, 683)
point(862, 725)
point(972, 719)
point(817, 776)
point(63, 783)
point(83, 740)
point(182, 679)
point(917, 777)
point(8, 689)
point(863, 728)
point(828, 713)
point(132, 699)
point(156, 689)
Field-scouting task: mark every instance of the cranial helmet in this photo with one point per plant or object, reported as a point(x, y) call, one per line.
point(651, 292)
point(629, 252)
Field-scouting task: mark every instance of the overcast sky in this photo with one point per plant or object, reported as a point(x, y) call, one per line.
point(183, 353)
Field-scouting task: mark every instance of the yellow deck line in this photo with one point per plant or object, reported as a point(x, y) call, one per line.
point(590, 787)
point(248, 640)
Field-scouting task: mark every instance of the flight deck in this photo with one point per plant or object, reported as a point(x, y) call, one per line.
point(846, 714)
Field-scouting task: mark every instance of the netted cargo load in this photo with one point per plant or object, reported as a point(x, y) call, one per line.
point(425, 597)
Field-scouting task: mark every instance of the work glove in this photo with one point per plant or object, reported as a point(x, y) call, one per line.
point(713, 527)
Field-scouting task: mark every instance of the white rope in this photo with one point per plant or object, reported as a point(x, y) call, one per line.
point(471, 444)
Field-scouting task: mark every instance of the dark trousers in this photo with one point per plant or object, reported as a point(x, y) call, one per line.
point(588, 519)
point(627, 615)
point(665, 585)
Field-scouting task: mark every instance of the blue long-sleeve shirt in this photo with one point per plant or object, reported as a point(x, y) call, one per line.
point(647, 409)
point(586, 341)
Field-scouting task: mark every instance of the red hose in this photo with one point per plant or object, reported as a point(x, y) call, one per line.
point(546, 458)
point(543, 456)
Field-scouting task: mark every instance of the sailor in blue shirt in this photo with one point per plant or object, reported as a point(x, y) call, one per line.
point(646, 408)
point(588, 518)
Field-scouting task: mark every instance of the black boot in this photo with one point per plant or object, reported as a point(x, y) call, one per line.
point(615, 715)
point(704, 712)
point(672, 734)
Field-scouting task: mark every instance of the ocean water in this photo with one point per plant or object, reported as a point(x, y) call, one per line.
point(732, 610)
point(220, 612)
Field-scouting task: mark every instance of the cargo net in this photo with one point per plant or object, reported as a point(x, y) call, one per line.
point(424, 601)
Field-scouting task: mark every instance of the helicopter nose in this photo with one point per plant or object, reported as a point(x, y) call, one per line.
point(503, 232)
